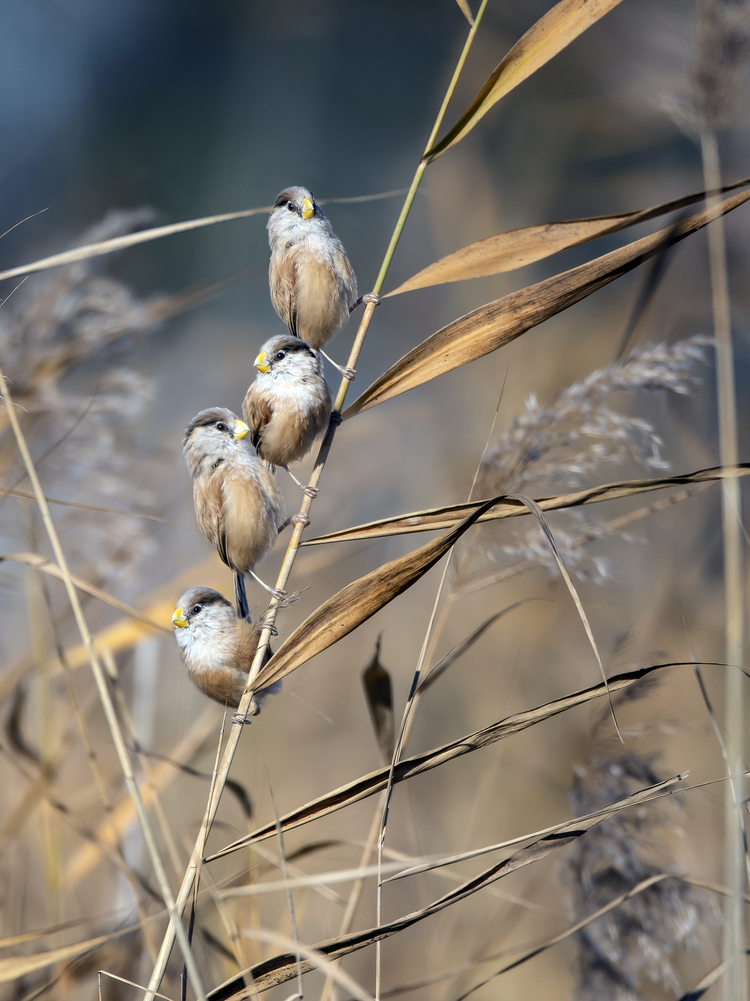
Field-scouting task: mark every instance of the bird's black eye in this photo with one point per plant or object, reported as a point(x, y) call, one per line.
point(195, 609)
point(221, 426)
point(280, 355)
point(290, 206)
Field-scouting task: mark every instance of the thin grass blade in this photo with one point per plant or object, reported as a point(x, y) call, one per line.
point(53, 570)
point(498, 323)
point(551, 33)
point(437, 518)
point(368, 785)
point(279, 969)
point(539, 515)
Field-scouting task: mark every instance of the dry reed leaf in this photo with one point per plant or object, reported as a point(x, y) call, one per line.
point(466, 11)
point(379, 694)
point(23, 495)
point(539, 515)
point(374, 782)
point(705, 982)
point(31, 936)
point(497, 323)
point(121, 242)
point(535, 950)
point(357, 602)
point(551, 33)
point(155, 233)
point(450, 658)
point(21, 966)
point(126, 633)
point(279, 969)
point(312, 880)
point(433, 864)
point(53, 570)
point(434, 519)
point(115, 826)
point(519, 247)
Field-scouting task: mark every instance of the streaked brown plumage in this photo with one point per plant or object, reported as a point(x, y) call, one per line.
point(218, 648)
point(289, 403)
point(238, 505)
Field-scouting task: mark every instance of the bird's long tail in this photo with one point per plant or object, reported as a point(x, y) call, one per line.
point(240, 596)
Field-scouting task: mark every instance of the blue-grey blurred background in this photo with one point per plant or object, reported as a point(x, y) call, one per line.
point(192, 109)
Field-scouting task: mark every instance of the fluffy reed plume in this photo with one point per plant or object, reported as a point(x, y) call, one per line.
point(55, 331)
point(636, 942)
point(563, 447)
point(721, 53)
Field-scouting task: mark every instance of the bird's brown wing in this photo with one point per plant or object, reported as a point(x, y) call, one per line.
point(282, 279)
point(256, 412)
point(209, 511)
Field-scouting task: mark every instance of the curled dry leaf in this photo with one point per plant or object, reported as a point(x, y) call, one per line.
point(434, 519)
point(379, 694)
point(497, 323)
point(519, 247)
point(358, 601)
point(279, 969)
point(551, 33)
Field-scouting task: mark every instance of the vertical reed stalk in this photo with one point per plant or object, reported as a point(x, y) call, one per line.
point(294, 544)
point(106, 700)
point(735, 981)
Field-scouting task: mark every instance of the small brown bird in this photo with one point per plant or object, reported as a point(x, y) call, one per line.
point(217, 648)
point(313, 285)
point(289, 404)
point(238, 504)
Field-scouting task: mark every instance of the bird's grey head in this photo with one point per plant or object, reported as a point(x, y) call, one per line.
point(295, 213)
point(287, 357)
point(202, 615)
point(211, 437)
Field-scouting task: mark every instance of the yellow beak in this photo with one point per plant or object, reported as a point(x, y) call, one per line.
point(178, 617)
point(308, 209)
point(240, 429)
point(260, 363)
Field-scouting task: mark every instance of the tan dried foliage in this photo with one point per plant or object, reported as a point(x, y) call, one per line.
point(436, 518)
point(519, 247)
point(497, 323)
point(550, 35)
point(357, 602)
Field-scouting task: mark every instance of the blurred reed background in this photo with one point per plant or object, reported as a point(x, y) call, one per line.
point(121, 116)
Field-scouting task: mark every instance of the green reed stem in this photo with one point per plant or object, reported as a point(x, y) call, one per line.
point(295, 542)
point(735, 694)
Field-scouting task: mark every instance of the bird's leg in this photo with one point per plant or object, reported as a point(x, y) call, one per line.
point(336, 418)
point(275, 592)
point(295, 519)
point(264, 623)
point(311, 492)
point(348, 373)
point(252, 710)
point(368, 297)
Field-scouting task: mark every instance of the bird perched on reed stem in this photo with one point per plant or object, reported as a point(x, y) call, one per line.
point(238, 504)
point(289, 403)
point(218, 648)
point(313, 285)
